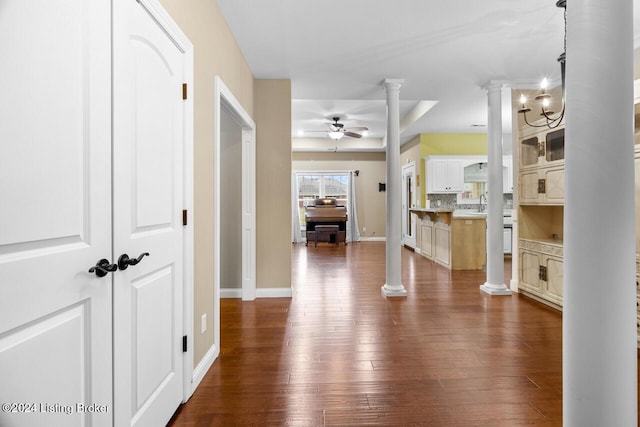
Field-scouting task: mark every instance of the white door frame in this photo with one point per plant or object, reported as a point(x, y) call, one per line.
point(408, 239)
point(223, 98)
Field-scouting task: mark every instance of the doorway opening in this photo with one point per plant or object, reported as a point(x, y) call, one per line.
point(409, 200)
point(234, 219)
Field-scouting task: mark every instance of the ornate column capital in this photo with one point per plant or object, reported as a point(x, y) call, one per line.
point(494, 85)
point(392, 84)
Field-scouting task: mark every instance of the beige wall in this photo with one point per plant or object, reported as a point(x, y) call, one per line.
point(272, 106)
point(215, 53)
point(370, 202)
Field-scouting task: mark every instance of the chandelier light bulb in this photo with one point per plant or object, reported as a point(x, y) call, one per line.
point(523, 99)
point(545, 102)
point(544, 84)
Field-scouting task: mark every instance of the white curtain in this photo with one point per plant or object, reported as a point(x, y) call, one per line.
point(296, 234)
point(353, 230)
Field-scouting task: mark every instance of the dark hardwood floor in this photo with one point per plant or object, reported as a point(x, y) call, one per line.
point(341, 354)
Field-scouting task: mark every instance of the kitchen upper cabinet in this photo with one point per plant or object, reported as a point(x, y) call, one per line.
point(444, 175)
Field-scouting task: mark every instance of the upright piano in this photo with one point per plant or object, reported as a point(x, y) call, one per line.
point(331, 220)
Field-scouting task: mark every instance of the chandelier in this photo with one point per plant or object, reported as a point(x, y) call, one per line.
point(544, 98)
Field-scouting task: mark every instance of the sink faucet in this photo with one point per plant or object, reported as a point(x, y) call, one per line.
point(482, 206)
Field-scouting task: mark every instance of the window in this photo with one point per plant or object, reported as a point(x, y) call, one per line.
point(319, 185)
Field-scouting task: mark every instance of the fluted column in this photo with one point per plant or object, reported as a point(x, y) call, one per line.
point(495, 220)
point(393, 286)
point(599, 291)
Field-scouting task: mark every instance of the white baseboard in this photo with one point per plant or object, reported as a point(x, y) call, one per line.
point(230, 293)
point(274, 292)
point(373, 239)
point(260, 293)
point(203, 367)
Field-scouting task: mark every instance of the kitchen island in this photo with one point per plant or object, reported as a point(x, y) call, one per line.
point(454, 240)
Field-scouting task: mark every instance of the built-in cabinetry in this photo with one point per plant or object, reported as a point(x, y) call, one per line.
point(457, 243)
point(541, 155)
point(541, 213)
point(541, 269)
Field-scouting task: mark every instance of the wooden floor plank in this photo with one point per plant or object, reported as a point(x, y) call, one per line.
point(338, 353)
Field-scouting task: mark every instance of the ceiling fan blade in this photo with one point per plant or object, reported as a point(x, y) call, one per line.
point(353, 134)
point(356, 129)
point(333, 127)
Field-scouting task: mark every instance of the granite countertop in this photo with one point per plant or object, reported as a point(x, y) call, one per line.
point(432, 210)
point(469, 214)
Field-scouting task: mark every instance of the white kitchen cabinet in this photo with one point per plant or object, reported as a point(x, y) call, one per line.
point(444, 175)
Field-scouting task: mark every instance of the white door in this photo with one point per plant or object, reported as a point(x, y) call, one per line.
point(409, 201)
point(55, 213)
point(148, 198)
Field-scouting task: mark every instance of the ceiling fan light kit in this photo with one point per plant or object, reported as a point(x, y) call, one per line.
point(335, 134)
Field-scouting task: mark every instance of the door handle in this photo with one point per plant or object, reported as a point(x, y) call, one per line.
point(124, 261)
point(103, 267)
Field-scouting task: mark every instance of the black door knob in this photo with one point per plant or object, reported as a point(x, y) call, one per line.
point(103, 267)
point(124, 261)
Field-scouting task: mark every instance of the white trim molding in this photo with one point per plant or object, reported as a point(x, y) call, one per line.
point(275, 292)
point(230, 293)
point(203, 367)
point(373, 239)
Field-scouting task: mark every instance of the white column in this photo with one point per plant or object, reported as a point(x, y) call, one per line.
point(495, 220)
point(599, 291)
point(393, 286)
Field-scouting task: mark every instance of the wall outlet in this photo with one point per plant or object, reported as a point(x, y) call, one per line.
point(203, 323)
point(364, 228)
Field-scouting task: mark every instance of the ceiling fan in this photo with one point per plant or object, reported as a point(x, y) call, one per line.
point(337, 130)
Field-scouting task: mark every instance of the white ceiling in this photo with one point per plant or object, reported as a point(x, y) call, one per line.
point(338, 52)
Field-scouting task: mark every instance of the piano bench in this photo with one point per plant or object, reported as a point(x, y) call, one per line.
point(326, 232)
